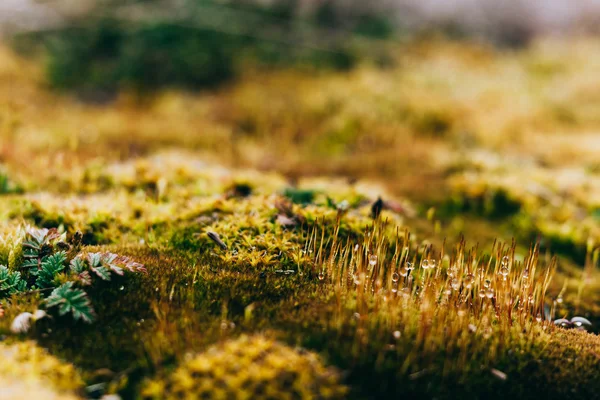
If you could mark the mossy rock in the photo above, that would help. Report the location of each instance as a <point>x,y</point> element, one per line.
<point>28,371</point>
<point>250,367</point>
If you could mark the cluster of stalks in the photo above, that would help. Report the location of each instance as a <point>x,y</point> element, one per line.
<point>393,286</point>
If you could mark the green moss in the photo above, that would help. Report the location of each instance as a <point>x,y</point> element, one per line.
<point>249,367</point>
<point>28,371</point>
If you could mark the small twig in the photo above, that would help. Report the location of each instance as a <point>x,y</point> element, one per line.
<point>217,239</point>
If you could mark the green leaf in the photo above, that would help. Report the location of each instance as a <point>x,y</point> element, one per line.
<point>51,266</point>
<point>110,260</point>
<point>78,265</point>
<point>11,282</point>
<point>95,260</point>
<point>102,272</point>
<point>70,300</point>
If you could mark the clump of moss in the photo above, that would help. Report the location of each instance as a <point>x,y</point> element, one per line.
<point>27,371</point>
<point>250,367</point>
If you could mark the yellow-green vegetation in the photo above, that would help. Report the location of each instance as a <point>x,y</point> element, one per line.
<point>323,212</point>
<point>29,372</point>
<point>250,367</point>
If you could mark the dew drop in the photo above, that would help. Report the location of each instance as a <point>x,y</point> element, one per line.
<point>525,283</point>
<point>425,264</point>
<point>505,260</point>
<point>489,293</point>
<point>487,283</point>
<point>504,271</point>
<point>526,274</point>
<point>396,334</point>
<point>455,283</point>
<point>559,299</point>
<point>468,280</point>
<point>321,276</point>
<point>122,288</point>
<point>409,266</point>
<point>395,277</point>
<point>482,293</point>
<point>538,318</point>
<point>373,260</point>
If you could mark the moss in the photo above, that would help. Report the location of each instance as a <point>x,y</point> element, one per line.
<point>249,367</point>
<point>155,197</point>
<point>27,371</point>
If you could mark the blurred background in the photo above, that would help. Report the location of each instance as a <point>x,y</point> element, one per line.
<point>483,116</point>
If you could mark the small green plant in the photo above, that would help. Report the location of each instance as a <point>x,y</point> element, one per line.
<point>50,263</point>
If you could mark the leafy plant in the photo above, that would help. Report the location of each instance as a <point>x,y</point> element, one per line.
<point>71,300</point>
<point>10,282</point>
<point>51,266</point>
<point>46,256</point>
<point>37,245</point>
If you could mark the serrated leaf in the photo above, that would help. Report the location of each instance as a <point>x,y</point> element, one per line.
<point>71,300</point>
<point>30,263</point>
<point>11,282</point>
<point>51,266</point>
<point>77,265</point>
<point>102,272</point>
<point>85,278</point>
<point>95,260</point>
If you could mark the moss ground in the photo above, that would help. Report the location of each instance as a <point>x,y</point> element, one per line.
<point>264,161</point>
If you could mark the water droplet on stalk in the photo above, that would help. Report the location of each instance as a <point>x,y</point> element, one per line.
<point>482,293</point>
<point>321,276</point>
<point>425,264</point>
<point>455,283</point>
<point>504,272</point>
<point>489,293</point>
<point>505,260</point>
<point>395,277</point>
<point>487,283</point>
<point>372,260</point>
<point>468,280</point>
